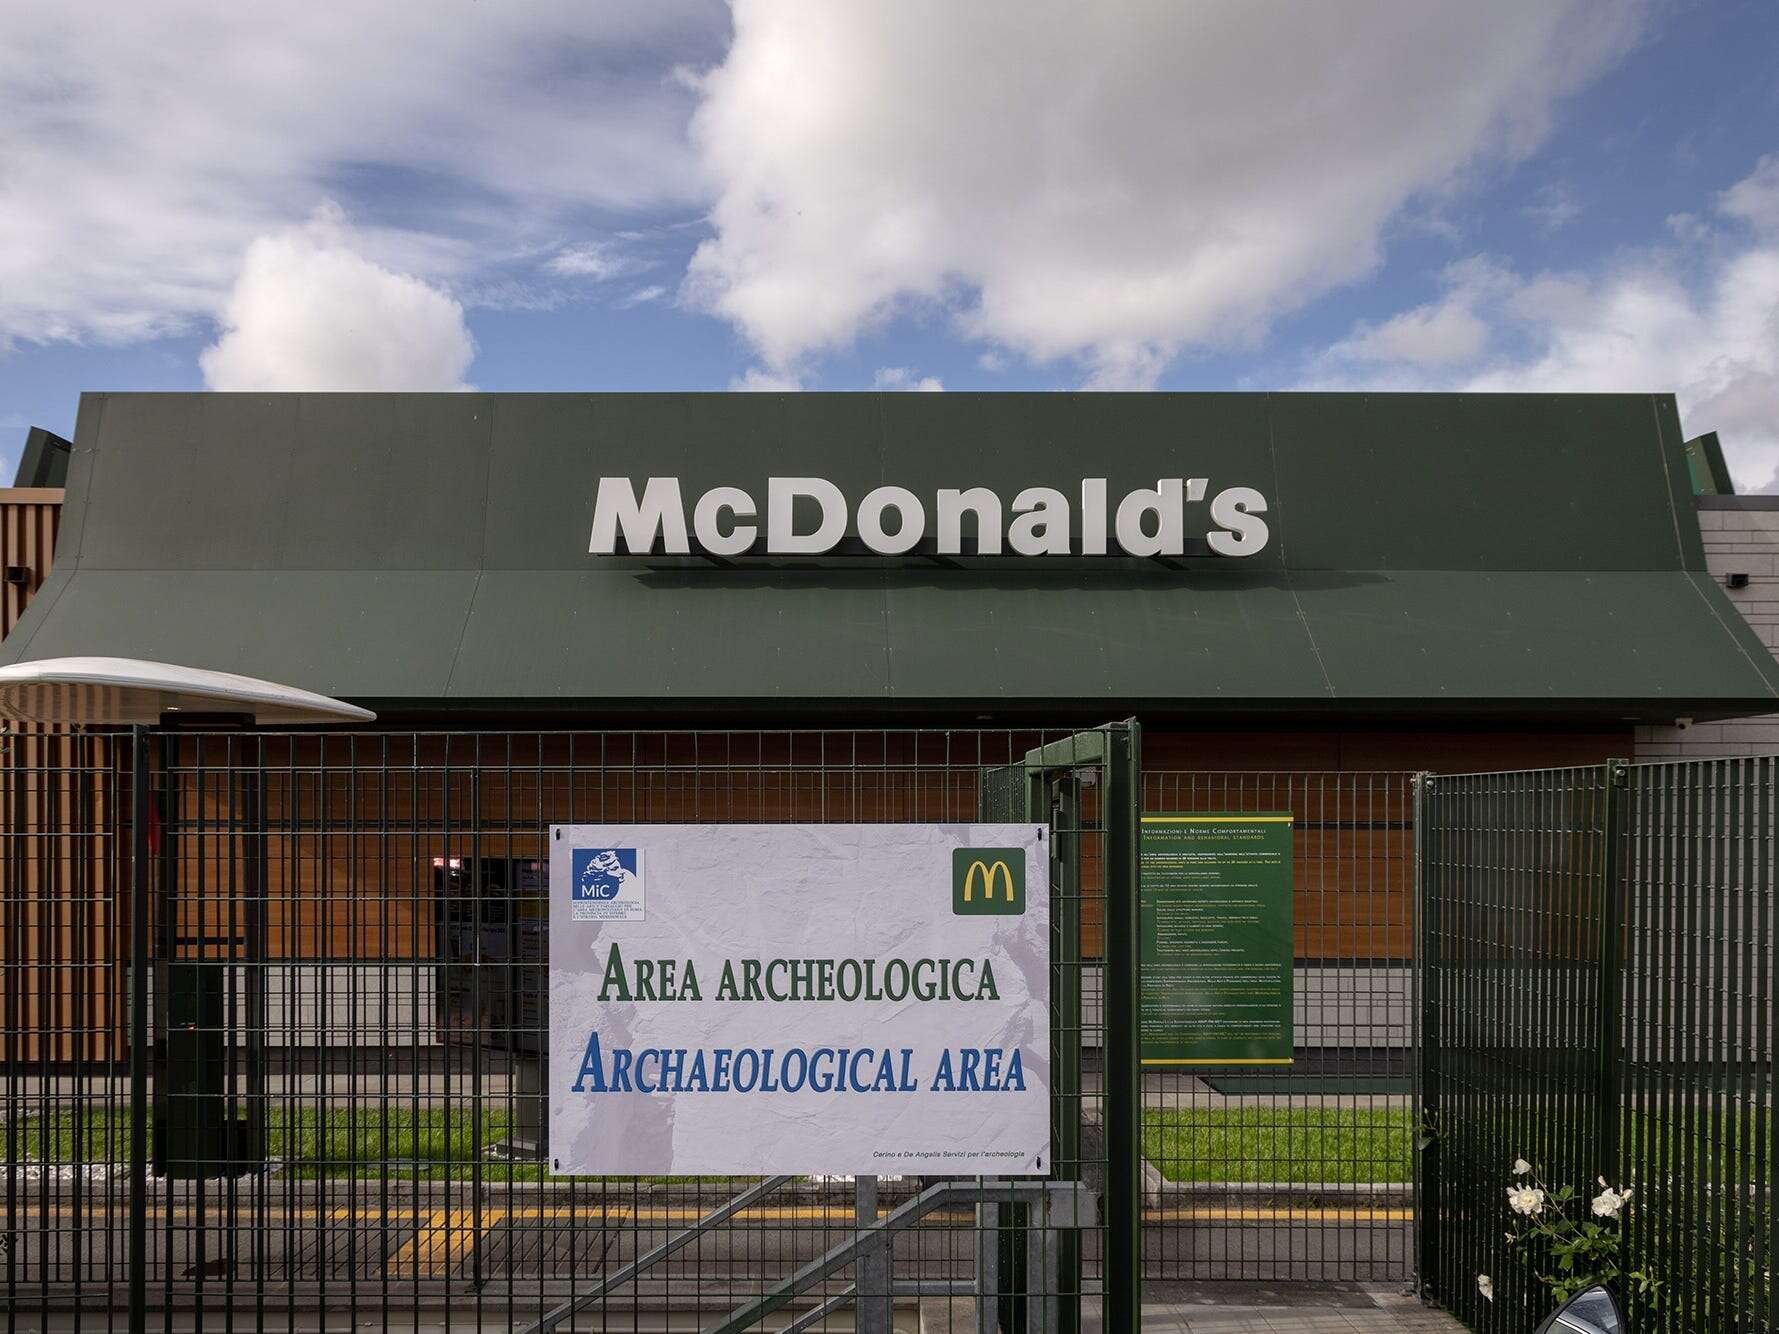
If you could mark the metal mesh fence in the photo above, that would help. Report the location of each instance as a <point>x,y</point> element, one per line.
<point>1301,1173</point>
<point>345,1042</point>
<point>1598,948</point>
<point>1694,1081</point>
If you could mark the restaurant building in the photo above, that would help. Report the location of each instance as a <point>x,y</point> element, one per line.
<point>1303,598</point>
<point>1296,580</point>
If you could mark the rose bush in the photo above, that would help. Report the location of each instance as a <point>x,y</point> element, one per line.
<point>1567,1253</point>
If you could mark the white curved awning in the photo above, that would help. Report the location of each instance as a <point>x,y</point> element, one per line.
<point>129,690</point>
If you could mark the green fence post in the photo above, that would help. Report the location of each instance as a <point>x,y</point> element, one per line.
<point>1609,1111</point>
<point>1426,1159</point>
<point>140,1054</point>
<point>1066,818</point>
<point>1123,1073</point>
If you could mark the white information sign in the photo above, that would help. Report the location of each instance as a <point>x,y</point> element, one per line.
<point>760,999</point>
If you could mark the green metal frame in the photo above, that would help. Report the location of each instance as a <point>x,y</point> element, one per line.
<point>1054,776</point>
<point>1596,972</point>
<point>1705,465</point>
<point>1609,1005</point>
<point>1427,1087</point>
<point>256,816</point>
<point>1123,1067</point>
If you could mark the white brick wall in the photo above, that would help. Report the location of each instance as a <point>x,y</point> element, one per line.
<point>1736,542</point>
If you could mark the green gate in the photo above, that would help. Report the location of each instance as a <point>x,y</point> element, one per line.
<point>1087,787</point>
<point>274,1009</point>
<point>1597,1004</point>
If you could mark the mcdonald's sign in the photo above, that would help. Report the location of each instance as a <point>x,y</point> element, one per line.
<point>987,880</point>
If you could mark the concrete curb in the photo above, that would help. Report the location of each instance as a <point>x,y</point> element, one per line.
<point>947,1315</point>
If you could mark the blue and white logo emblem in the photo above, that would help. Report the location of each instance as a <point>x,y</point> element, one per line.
<point>607,885</point>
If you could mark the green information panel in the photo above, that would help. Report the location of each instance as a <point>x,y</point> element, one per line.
<point>1216,925</point>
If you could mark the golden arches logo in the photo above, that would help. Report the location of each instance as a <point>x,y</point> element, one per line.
<point>987,880</point>
<point>991,873</point>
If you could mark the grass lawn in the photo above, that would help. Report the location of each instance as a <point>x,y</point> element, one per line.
<point>1246,1144</point>
<point>1292,1144</point>
<point>440,1144</point>
<point>434,1144</point>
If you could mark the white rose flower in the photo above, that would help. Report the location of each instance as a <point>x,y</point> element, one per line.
<point>1527,1200</point>
<point>1609,1201</point>
<point>1486,1286</point>
<point>1521,1167</point>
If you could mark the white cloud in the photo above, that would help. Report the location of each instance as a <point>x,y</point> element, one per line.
<point>308,312</point>
<point>758,381</point>
<point>142,147</point>
<point>1107,183</point>
<point>1554,207</point>
<point>1701,323</point>
<point>1714,344</point>
<point>642,296</point>
<point>1431,335</point>
<point>1446,332</point>
<point>902,378</point>
<point>1755,198</point>
<point>596,261</point>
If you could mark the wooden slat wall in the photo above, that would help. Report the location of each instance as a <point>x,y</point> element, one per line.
<point>1377,749</point>
<point>63,918</point>
<point>29,517</point>
<point>356,881</point>
<point>350,852</point>
<point>353,826</point>
<point>1354,850</point>
<point>59,991</point>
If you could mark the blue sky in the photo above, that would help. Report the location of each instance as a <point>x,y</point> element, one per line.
<point>1539,194</point>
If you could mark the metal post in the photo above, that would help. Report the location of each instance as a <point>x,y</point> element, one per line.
<point>258,864</point>
<point>1608,1109</point>
<point>874,1305</point>
<point>1064,810</point>
<point>1043,1265</point>
<point>988,1268</point>
<point>1123,1072</point>
<point>139,1049</point>
<point>1426,1160</point>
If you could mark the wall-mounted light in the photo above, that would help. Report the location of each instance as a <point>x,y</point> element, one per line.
<point>1735,581</point>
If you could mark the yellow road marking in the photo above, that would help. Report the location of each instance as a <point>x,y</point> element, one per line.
<point>243,1216</point>
<point>1258,1215</point>
<point>402,1263</point>
<point>464,1236</point>
<point>435,1250</point>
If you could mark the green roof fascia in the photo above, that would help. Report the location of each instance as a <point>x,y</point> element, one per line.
<point>1447,552</point>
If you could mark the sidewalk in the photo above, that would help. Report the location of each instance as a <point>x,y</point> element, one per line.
<point>1254,1309</point>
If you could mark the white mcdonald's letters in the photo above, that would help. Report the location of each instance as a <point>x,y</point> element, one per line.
<point>810,516</point>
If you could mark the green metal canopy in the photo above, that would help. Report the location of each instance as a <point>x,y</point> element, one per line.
<point>1429,555</point>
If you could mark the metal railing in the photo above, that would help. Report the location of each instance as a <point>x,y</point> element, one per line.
<point>344,1016</point>
<point>1598,947</point>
